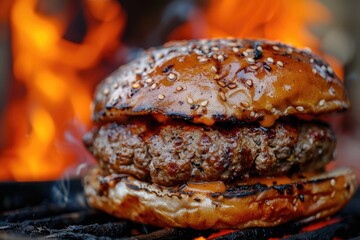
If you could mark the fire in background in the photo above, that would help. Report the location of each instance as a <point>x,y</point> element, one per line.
<point>54,71</point>
<point>61,49</point>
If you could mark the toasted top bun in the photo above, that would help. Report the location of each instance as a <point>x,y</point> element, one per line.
<point>222,80</point>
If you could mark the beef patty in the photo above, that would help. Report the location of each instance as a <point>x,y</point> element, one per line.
<point>176,152</point>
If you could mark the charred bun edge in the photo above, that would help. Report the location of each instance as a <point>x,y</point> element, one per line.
<point>206,81</point>
<point>237,208</point>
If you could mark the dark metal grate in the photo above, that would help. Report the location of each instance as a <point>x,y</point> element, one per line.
<point>56,210</point>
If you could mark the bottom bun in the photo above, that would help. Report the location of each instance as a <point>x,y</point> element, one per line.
<point>261,202</point>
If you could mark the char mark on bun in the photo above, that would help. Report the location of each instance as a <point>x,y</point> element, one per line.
<point>220,133</point>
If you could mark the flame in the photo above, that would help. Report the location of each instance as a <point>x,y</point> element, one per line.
<point>45,122</point>
<point>324,223</point>
<point>309,228</point>
<point>279,20</point>
<point>275,20</point>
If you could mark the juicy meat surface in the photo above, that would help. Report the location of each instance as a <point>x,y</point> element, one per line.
<point>176,152</point>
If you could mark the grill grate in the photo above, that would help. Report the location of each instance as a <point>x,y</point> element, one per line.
<point>65,216</point>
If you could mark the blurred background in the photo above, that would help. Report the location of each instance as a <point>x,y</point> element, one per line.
<point>54,52</point>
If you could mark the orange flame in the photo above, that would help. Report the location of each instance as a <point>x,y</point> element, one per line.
<point>45,123</point>
<point>279,20</point>
<point>275,20</point>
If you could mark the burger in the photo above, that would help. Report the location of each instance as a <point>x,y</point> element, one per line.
<point>219,133</point>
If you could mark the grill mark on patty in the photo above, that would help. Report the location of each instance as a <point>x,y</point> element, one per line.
<point>176,152</point>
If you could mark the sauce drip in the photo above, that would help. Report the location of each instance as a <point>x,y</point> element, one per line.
<point>216,186</point>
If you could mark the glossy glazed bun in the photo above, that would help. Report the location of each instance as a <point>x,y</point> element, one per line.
<point>219,80</point>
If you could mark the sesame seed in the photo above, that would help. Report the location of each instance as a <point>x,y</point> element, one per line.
<point>250,60</point>
<point>215,49</point>
<point>249,82</point>
<point>259,48</point>
<point>216,77</point>
<point>280,63</point>
<point>332,194</point>
<point>232,85</point>
<point>220,58</point>
<point>204,103</point>
<point>300,108</point>
<point>161,96</point>
<point>252,114</point>
<point>254,67</point>
<point>149,80</point>
<point>221,83</point>
<point>276,48</point>
<point>323,67</point>
<point>206,47</point>
<point>314,71</point>
<point>270,60</point>
<point>289,50</point>
<point>198,51</point>
<point>307,49</point>
<point>202,59</point>
<point>136,85</point>
<point>312,60</point>
<point>106,91</point>
<point>332,91</point>
<point>116,85</point>
<point>214,69</point>
<point>160,55</point>
<point>153,86</point>
<point>189,100</point>
<point>267,202</point>
<point>330,70</point>
<point>245,104</point>
<point>245,53</point>
<point>138,71</point>
<point>322,102</point>
<point>235,49</point>
<point>172,77</point>
<point>332,182</point>
<point>222,95</point>
<point>179,88</point>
